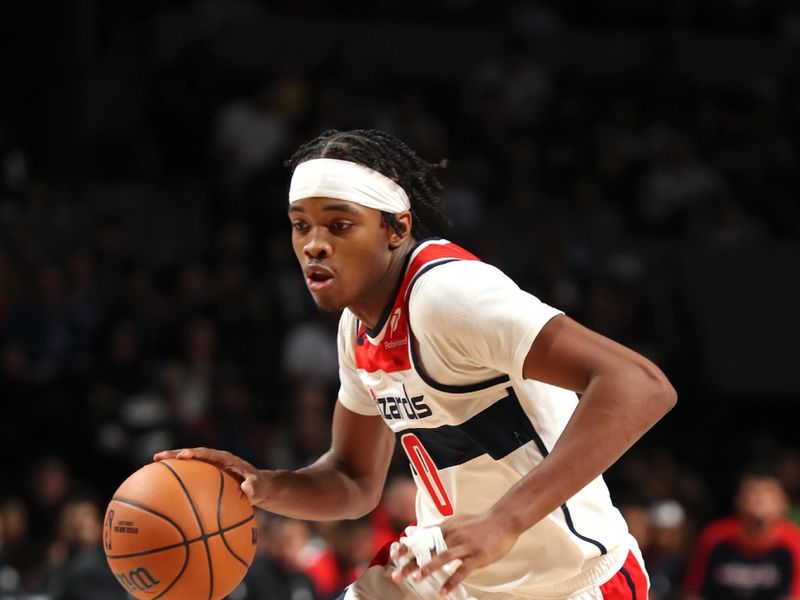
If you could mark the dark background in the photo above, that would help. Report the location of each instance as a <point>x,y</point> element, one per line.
<point>634,165</point>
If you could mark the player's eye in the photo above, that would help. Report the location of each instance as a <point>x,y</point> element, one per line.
<point>338,226</point>
<point>299,226</point>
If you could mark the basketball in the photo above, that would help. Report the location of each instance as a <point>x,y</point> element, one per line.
<point>179,530</point>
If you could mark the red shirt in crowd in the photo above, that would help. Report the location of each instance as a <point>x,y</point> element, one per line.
<point>726,565</point>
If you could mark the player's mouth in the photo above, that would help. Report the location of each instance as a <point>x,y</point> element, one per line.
<point>318,278</point>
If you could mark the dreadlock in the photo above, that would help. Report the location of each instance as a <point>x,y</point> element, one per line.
<point>389,156</point>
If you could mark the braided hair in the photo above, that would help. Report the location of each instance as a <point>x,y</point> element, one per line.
<point>389,156</point>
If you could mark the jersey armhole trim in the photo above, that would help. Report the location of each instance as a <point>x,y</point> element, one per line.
<point>453,389</point>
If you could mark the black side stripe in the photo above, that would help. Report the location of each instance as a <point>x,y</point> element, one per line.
<point>488,432</point>
<point>462,389</point>
<point>629,579</point>
<point>571,526</point>
<point>564,508</point>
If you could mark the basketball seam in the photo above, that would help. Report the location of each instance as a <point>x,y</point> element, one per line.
<point>186,541</point>
<point>219,522</point>
<point>200,525</point>
<point>185,544</point>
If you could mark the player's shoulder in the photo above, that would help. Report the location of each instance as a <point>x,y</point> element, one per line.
<point>446,296</point>
<point>455,277</point>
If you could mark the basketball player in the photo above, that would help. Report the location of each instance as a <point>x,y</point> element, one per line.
<point>473,377</point>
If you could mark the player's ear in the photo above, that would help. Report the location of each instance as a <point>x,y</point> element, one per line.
<point>400,229</point>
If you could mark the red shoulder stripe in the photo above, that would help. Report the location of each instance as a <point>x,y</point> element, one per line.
<point>391,353</point>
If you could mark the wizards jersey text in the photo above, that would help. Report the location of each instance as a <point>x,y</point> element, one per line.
<point>443,368</point>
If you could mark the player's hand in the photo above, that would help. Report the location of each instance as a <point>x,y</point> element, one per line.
<point>254,482</point>
<point>475,540</point>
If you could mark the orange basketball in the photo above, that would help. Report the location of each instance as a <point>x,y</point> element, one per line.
<point>179,530</point>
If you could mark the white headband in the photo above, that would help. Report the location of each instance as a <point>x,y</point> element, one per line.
<point>346,180</point>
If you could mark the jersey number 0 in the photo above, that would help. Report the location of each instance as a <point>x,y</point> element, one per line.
<point>427,472</point>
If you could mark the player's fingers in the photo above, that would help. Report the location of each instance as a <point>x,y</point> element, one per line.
<point>405,562</point>
<point>417,573</point>
<point>398,550</point>
<point>457,577</point>
<point>182,453</point>
<point>401,573</point>
<point>222,459</point>
<point>250,488</point>
<point>166,454</point>
<point>437,562</point>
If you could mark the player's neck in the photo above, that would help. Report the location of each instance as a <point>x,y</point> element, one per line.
<point>373,308</point>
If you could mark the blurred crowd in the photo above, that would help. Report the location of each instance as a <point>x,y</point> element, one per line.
<point>149,298</point>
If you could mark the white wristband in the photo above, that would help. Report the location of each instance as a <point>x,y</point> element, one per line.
<point>421,540</point>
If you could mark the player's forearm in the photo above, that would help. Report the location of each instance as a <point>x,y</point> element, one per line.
<point>320,492</point>
<point>614,412</point>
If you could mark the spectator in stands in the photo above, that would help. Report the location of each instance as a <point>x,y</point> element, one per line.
<point>50,484</point>
<point>675,184</point>
<point>78,568</point>
<point>518,82</point>
<point>276,571</point>
<point>249,133</point>
<point>19,558</point>
<point>634,510</point>
<point>395,512</point>
<point>665,555</point>
<point>754,554</point>
<point>349,550</point>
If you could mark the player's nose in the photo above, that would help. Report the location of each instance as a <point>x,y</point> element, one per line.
<point>317,245</point>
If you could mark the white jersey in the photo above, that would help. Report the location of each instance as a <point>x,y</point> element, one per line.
<point>444,369</point>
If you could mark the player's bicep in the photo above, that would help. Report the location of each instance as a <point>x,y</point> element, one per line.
<point>362,447</point>
<point>568,355</point>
